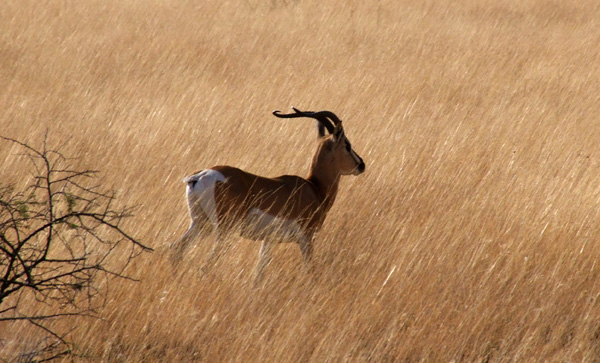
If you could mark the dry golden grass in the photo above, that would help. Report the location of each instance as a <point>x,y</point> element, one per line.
<point>473,235</point>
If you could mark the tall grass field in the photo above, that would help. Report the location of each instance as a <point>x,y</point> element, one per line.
<point>473,235</point>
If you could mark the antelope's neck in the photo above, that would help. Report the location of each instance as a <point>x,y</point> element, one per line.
<point>325,179</point>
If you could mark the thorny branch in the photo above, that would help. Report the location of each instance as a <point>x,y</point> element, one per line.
<point>61,239</point>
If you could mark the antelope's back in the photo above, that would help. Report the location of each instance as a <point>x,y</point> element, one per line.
<point>286,196</point>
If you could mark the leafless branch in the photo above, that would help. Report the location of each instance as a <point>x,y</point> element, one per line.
<point>57,237</point>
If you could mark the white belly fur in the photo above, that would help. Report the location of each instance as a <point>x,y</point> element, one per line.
<point>261,225</point>
<point>201,190</point>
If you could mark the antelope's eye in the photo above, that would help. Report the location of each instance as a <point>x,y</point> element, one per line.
<point>348,147</point>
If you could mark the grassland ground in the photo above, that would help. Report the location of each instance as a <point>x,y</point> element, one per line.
<point>472,236</point>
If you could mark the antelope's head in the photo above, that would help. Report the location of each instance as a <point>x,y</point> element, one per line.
<point>336,144</point>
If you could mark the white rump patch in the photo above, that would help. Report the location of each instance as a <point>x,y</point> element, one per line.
<point>260,225</point>
<point>201,190</point>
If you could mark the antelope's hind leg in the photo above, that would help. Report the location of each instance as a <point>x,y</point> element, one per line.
<point>200,192</point>
<point>215,253</point>
<point>199,226</point>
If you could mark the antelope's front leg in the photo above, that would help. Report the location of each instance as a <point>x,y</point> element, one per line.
<point>264,258</point>
<point>306,247</point>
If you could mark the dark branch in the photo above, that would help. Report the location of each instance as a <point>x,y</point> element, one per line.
<point>57,237</point>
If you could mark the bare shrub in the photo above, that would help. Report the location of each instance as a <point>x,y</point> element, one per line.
<point>58,242</point>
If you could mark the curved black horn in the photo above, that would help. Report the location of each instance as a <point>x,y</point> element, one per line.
<point>320,114</point>
<point>330,115</point>
<point>326,118</point>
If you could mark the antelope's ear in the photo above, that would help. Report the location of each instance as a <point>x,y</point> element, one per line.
<point>320,130</point>
<point>338,132</point>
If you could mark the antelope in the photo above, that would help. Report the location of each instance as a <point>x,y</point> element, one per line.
<point>287,208</point>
